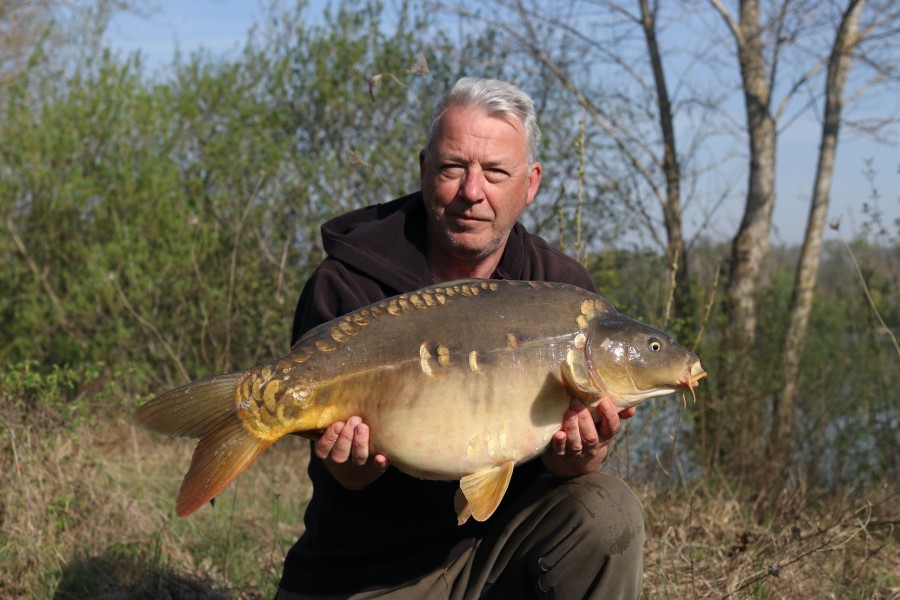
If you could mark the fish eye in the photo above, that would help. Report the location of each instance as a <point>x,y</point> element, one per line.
<point>655,344</point>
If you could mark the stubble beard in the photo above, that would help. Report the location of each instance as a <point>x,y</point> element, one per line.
<point>467,251</point>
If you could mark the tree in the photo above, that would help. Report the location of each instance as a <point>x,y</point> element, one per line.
<point>671,207</point>
<point>848,41</point>
<point>22,26</point>
<point>34,31</point>
<point>780,47</point>
<point>751,242</point>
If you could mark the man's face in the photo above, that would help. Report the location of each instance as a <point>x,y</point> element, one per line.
<point>476,181</point>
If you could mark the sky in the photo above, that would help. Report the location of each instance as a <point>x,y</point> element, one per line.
<point>221,26</point>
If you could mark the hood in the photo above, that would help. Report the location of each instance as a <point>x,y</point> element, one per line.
<point>388,242</point>
<point>385,241</point>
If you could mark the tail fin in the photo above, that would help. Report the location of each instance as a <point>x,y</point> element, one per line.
<point>206,410</point>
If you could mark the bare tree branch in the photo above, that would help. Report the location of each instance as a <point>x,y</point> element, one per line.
<point>729,20</point>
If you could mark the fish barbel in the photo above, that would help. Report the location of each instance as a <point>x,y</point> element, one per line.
<point>456,381</point>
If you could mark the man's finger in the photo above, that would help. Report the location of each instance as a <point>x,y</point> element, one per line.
<point>587,429</point>
<point>628,412</point>
<point>360,451</point>
<point>558,443</point>
<point>609,420</point>
<point>572,430</point>
<point>381,461</point>
<point>344,444</point>
<point>328,438</point>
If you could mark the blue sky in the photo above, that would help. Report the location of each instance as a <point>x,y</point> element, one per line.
<point>218,25</point>
<point>221,27</point>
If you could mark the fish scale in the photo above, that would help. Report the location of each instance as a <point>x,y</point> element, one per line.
<point>457,381</point>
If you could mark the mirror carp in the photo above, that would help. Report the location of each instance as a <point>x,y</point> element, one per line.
<point>457,381</point>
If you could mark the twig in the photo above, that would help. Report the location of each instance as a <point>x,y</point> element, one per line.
<point>282,266</point>
<point>137,453</point>
<point>709,305</point>
<point>12,440</point>
<point>774,569</point>
<point>659,462</point>
<point>690,551</point>
<point>420,67</point>
<point>41,277</point>
<point>27,488</point>
<point>276,547</point>
<point>580,249</point>
<point>836,225</point>
<point>230,529</point>
<point>232,274</point>
<point>147,324</point>
<point>670,296</point>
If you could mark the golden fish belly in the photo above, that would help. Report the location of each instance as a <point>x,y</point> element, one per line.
<point>469,412</point>
<point>450,431</point>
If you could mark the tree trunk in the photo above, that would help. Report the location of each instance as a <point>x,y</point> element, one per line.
<point>671,169</point>
<point>736,422</point>
<point>784,403</point>
<point>751,243</point>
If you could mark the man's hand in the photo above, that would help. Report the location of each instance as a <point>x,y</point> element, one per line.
<point>580,446</point>
<point>344,447</point>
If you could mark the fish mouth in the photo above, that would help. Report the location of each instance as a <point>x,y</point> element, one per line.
<point>691,378</point>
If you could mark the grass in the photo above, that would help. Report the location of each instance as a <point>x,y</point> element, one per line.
<point>710,542</point>
<point>89,512</point>
<point>86,511</point>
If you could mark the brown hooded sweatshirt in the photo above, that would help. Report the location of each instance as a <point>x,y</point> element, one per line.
<point>399,527</point>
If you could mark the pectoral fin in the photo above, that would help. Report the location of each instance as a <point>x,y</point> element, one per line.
<point>577,379</point>
<point>479,494</point>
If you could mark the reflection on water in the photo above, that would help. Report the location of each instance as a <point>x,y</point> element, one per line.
<point>835,449</point>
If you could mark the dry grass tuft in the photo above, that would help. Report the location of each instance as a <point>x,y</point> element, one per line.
<point>711,541</point>
<point>89,513</point>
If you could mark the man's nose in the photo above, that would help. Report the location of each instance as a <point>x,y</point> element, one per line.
<point>472,189</point>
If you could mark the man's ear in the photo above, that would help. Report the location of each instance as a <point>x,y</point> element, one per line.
<point>534,181</point>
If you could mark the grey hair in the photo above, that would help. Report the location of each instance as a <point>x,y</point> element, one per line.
<point>497,98</point>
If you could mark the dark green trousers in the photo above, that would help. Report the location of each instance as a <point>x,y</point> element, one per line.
<point>565,539</point>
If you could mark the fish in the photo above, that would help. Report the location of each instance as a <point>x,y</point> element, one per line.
<point>461,380</point>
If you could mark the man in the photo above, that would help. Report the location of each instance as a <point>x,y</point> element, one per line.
<point>563,530</point>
